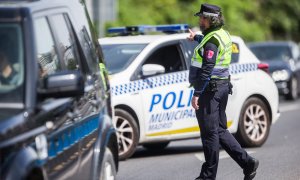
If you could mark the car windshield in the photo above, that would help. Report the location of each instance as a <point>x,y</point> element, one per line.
<point>272,53</point>
<point>11,65</point>
<point>120,56</point>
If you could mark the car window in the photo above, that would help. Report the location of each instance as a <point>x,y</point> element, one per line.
<point>271,52</point>
<point>189,47</point>
<point>169,57</point>
<point>46,52</point>
<point>89,50</point>
<point>11,63</point>
<point>235,52</point>
<point>120,56</point>
<point>66,42</point>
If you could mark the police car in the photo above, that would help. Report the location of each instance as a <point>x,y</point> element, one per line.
<point>151,94</point>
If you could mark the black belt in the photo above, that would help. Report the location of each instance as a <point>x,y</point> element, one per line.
<point>220,81</point>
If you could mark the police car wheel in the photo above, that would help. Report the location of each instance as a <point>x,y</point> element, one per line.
<point>127,132</point>
<point>293,89</point>
<point>108,168</point>
<point>156,146</point>
<point>254,123</point>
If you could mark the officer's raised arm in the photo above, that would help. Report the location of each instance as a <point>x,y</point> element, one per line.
<point>191,36</point>
<point>194,37</point>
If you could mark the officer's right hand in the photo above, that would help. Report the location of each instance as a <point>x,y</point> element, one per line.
<point>191,36</point>
<point>195,102</point>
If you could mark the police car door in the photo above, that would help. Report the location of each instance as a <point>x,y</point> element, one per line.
<point>167,102</point>
<point>235,101</point>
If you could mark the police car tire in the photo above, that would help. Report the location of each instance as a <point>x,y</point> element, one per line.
<point>108,167</point>
<point>293,89</point>
<point>156,146</point>
<point>241,134</point>
<point>135,134</point>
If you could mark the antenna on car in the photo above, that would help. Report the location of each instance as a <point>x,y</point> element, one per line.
<point>144,29</point>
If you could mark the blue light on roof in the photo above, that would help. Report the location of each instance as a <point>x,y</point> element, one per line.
<point>175,27</point>
<point>141,29</point>
<point>117,30</point>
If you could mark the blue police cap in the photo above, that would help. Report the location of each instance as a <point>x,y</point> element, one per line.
<point>209,10</point>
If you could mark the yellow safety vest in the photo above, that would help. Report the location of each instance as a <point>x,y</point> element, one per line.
<point>224,51</point>
<point>103,71</point>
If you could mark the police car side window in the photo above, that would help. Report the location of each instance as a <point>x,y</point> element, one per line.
<point>235,53</point>
<point>189,49</point>
<point>46,53</point>
<point>66,42</point>
<point>169,57</point>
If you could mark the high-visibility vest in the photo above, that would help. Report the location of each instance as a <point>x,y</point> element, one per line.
<point>102,74</point>
<point>223,57</point>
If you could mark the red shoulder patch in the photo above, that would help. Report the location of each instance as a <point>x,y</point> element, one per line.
<point>209,54</point>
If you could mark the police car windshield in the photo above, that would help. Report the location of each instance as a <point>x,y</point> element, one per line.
<point>11,64</point>
<point>272,52</point>
<point>119,56</point>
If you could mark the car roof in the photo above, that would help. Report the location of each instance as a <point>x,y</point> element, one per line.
<point>75,7</point>
<point>247,55</point>
<point>140,39</point>
<point>35,5</point>
<point>146,39</point>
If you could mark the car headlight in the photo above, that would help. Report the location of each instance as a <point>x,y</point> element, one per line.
<point>281,75</point>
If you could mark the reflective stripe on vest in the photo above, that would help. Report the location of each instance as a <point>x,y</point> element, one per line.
<point>102,74</point>
<point>224,51</point>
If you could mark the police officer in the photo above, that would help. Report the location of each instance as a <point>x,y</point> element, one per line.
<point>209,75</point>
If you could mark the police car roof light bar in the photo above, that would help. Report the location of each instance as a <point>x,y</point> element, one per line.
<point>174,27</point>
<point>142,29</point>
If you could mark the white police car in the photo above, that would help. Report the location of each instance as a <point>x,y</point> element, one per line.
<point>152,98</point>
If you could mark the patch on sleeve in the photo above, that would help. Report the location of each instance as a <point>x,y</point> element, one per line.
<point>209,54</point>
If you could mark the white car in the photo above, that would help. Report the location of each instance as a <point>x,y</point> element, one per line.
<point>151,95</point>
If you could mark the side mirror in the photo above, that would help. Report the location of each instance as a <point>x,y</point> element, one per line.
<point>62,84</point>
<point>152,69</point>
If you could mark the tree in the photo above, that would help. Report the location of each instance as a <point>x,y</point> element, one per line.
<point>256,20</point>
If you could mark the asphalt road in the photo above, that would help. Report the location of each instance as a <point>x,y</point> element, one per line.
<point>279,157</point>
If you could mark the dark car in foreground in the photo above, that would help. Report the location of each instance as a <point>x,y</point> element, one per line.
<point>284,64</point>
<point>55,115</point>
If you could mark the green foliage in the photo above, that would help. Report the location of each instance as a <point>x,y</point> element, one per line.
<point>253,20</point>
<point>283,18</point>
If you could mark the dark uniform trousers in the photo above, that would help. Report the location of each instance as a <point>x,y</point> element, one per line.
<point>213,126</point>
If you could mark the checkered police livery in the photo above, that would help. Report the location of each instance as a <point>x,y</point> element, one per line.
<point>172,78</point>
<point>241,68</point>
<point>149,83</point>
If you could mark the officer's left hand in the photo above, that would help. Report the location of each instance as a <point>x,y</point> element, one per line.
<point>195,102</point>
